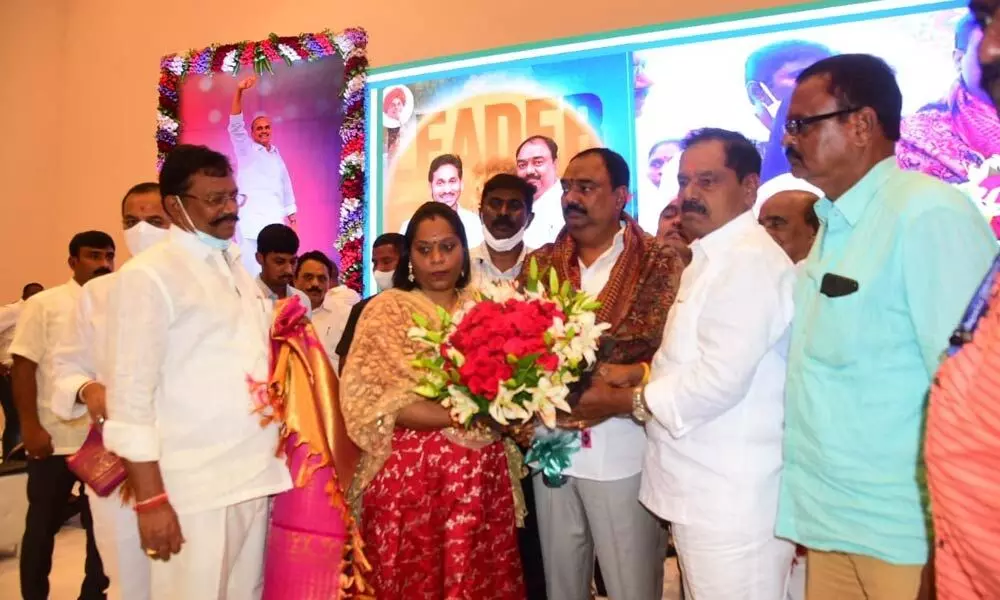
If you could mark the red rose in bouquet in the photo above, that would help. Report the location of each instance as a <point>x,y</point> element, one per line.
<point>511,355</point>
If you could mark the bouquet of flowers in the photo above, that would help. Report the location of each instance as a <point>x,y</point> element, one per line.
<point>510,355</point>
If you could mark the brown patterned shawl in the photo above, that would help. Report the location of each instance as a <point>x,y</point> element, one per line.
<point>636,299</point>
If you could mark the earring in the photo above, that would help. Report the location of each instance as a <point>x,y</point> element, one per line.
<point>410,277</point>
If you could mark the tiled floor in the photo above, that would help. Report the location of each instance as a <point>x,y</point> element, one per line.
<point>67,570</point>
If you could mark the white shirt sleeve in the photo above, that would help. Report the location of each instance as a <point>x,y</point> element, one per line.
<point>73,361</point>
<point>8,316</point>
<point>29,333</point>
<point>139,315</point>
<point>287,195</point>
<point>239,136</point>
<point>735,329</point>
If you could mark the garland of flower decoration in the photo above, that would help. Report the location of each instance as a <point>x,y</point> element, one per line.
<point>350,46</point>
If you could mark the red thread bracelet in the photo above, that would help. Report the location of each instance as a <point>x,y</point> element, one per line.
<point>151,503</point>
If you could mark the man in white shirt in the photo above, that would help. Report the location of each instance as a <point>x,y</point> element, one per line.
<point>603,252</point>
<point>48,440</point>
<point>506,211</point>
<point>187,367</point>
<point>538,163</point>
<point>263,177</point>
<point>8,319</point>
<point>277,248</point>
<point>313,274</point>
<point>445,179</point>
<point>80,371</point>
<point>716,390</point>
<point>791,220</point>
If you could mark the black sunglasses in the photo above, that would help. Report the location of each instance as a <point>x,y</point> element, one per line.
<point>797,126</point>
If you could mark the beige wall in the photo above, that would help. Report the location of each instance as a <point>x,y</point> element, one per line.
<point>78,87</point>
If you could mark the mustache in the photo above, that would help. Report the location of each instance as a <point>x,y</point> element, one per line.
<point>791,152</point>
<point>314,290</point>
<point>101,271</point>
<point>504,220</point>
<point>224,219</point>
<point>693,206</point>
<point>570,208</point>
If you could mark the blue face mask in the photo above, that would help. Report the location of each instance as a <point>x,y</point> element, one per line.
<point>209,240</point>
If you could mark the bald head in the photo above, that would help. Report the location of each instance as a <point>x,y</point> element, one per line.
<point>791,220</point>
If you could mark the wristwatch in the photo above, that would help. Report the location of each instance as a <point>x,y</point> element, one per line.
<point>640,412</point>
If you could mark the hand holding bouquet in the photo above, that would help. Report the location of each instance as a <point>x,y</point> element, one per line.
<point>510,355</point>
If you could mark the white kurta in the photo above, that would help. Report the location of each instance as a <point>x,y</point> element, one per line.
<point>8,320</point>
<point>483,268</point>
<point>713,460</point>
<point>187,333</point>
<point>40,327</point>
<point>78,359</point>
<point>548,221</point>
<point>262,176</point>
<point>330,318</point>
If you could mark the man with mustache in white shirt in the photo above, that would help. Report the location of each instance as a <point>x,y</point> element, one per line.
<point>188,367</point>
<point>715,395</point>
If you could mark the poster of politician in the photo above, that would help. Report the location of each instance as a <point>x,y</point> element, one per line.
<point>280,129</point>
<point>442,138</point>
<point>744,83</point>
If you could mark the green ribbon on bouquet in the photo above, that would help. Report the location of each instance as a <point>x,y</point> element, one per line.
<point>552,454</point>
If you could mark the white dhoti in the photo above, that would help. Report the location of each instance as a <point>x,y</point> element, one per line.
<point>733,565</point>
<point>222,557</point>
<point>117,535</point>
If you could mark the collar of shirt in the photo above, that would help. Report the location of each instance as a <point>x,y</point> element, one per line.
<point>855,201</point>
<point>260,148</point>
<point>269,293</point>
<point>719,241</point>
<point>480,256</point>
<point>190,242</point>
<point>617,246</point>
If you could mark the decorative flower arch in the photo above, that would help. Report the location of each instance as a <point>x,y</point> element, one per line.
<point>351,47</point>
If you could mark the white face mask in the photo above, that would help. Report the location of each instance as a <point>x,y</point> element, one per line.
<point>383,280</point>
<point>141,236</point>
<point>209,240</point>
<point>503,245</point>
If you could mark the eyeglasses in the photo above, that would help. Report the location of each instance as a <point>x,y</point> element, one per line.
<point>215,201</point>
<point>797,126</point>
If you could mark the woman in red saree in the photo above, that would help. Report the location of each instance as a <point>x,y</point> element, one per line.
<point>438,505</point>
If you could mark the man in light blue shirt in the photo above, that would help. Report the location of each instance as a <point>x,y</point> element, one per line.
<point>896,258</point>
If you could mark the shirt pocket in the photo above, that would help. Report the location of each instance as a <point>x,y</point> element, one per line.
<point>832,330</point>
